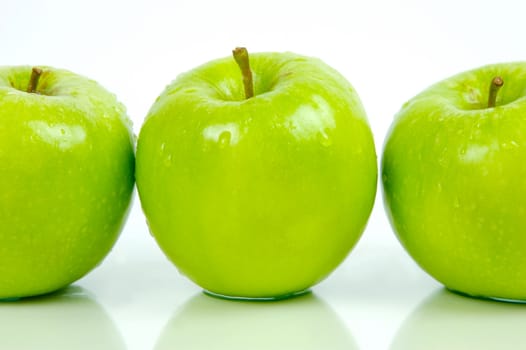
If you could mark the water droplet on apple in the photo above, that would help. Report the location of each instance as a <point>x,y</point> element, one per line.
<point>456,202</point>
<point>224,139</point>
<point>324,139</point>
<point>510,145</point>
<point>163,146</point>
<point>168,160</point>
<point>439,187</point>
<point>443,160</point>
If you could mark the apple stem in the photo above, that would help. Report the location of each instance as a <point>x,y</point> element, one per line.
<point>494,88</point>
<point>33,81</point>
<point>241,57</point>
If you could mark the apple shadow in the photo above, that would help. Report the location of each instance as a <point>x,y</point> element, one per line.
<point>67,319</point>
<point>304,322</point>
<point>447,320</point>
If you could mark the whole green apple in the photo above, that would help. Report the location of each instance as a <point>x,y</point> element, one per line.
<point>67,166</point>
<point>453,171</point>
<point>257,193</point>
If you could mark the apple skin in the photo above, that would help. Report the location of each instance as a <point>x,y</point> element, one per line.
<point>67,165</point>
<point>259,197</point>
<point>453,175</point>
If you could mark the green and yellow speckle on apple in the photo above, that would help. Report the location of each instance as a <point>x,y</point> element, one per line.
<point>454,170</point>
<point>66,177</point>
<point>257,182</point>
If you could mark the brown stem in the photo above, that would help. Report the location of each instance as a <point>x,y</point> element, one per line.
<point>33,81</point>
<point>241,57</point>
<point>494,88</point>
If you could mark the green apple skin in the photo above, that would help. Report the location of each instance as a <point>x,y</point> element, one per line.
<point>453,175</point>
<point>67,173</point>
<point>259,197</point>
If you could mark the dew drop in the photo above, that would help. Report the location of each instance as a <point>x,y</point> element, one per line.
<point>168,160</point>
<point>224,139</point>
<point>324,139</point>
<point>443,161</point>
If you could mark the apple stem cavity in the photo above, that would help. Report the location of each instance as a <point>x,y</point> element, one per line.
<point>241,57</point>
<point>494,88</point>
<point>33,81</point>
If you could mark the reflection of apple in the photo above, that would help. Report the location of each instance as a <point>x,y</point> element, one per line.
<point>304,323</point>
<point>448,321</point>
<point>257,197</point>
<point>454,166</point>
<point>66,165</point>
<point>68,319</point>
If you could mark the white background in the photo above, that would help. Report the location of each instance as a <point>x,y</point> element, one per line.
<point>378,298</point>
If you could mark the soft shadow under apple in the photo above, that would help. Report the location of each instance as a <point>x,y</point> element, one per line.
<point>304,322</point>
<point>450,321</point>
<point>68,319</point>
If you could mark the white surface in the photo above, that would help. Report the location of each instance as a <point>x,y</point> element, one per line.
<point>388,50</point>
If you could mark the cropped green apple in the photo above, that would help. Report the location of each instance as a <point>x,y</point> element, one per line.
<point>257,196</point>
<point>66,165</point>
<point>454,170</point>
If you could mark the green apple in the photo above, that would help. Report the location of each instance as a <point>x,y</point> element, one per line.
<point>257,196</point>
<point>453,171</point>
<point>67,166</point>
